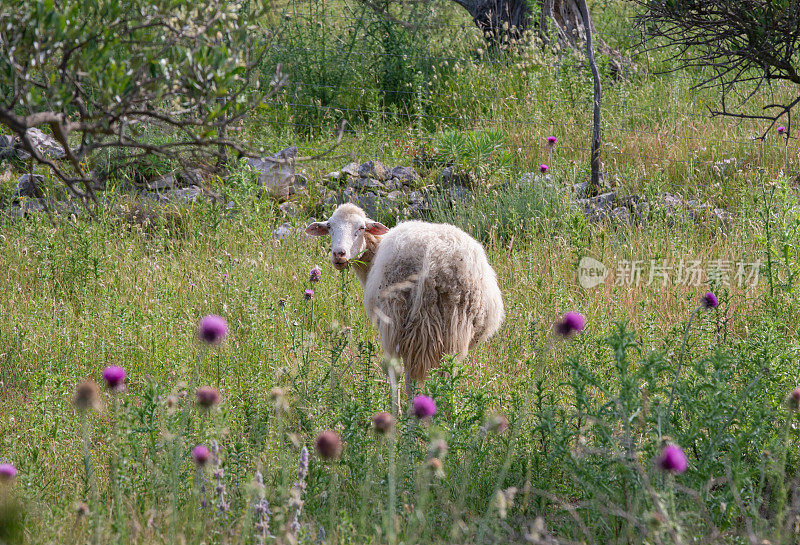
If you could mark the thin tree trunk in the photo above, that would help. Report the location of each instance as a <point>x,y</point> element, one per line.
<point>593,187</point>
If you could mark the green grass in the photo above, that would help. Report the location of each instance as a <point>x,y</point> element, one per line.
<point>587,416</point>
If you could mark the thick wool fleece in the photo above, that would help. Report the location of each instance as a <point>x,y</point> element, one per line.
<point>430,291</point>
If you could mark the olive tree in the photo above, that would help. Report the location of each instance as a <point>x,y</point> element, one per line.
<point>164,77</point>
<point>742,44</point>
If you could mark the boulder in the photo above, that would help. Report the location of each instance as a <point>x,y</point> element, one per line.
<point>28,186</point>
<point>284,231</point>
<point>404,174</point>
<point>162,182</point>
<point>374,169</point>
<point>365,183</point>
<point>46,144</point>
<point>6,146</point>
<point>277,175</point>
<point>350,169</point>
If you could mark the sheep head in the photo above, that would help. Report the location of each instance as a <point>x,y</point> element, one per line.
<point>346,227</point>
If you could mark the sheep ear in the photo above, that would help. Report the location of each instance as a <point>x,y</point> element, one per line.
<point>317,229</point>
<point>376,228</point>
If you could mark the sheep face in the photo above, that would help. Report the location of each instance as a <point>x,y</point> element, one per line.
<point>346,227</point>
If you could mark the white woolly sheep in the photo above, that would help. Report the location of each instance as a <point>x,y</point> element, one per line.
<point>427,287</point>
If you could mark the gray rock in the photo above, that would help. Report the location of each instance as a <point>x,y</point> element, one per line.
<point>374,169</point>
<point>335,175</point>
<point>162,182</point>
<point>350,169</point>
<point>404,174</point>
<point>418,204</point>
<point>332,198</point>
<point>26,187</point>
<point>605,200</point>
<point>45,143</point>
<point>396,196</point>
<point>621,214</point>
<point>33,206</point>
<point>289,208</point>
<point>277,175</point>
<point>365,183</point>
<point>191,176</point>
<point>579,190</point>
<point>368,202</point>
<point>187,195</point>
<point>284,231</point>
<point>6,146</point>
<point>457,193</point>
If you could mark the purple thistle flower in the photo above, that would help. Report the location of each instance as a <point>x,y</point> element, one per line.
<point>201,455</point>
<point>672,459</point>
<point>710,300</point>
<point>7,472</point>
<point>572,322</point>
<point>212,329</point>
<point>794,399</point>
<point>114,375</point>
<point>206,396</point>
<point>315,274</point>
<point>309,294</point>
<point>497,423</point>
<point>781,130</point>
<point>543,168</point>
<point>382,422</point>
<point>551,141</point>
<point>329,445</point>
<point>86,395</point>
<point>423,407</point>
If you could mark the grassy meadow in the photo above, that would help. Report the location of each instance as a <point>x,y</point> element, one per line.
<point>588,416</point>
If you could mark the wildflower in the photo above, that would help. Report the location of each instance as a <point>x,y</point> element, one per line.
<point>437,448</point>
<point>504,500</point>
<point>543,168</point>
<point>82,510</point>
<point>219,474</point>
<point>423,407</point>
<point>551,141</point>
<point>206,396</point>
<point>114,376</point>
<point>382,422</point>
<point>794,399</point>
<point>279,400</point>
<point>315,274</point>
<point>572,322</point>
<point>498,423</point>
<point>262,512</point>
<point>201,455</point>
<point>436,467</point>
<point>212,329</point>
<point>329,445</point>
<point>710,300</point>
<point>781,130</point>
<point>7,472</point>
<point>86,395</point>
<point>309,294</point>
<point>672,459</point>
<point>296,495</point>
